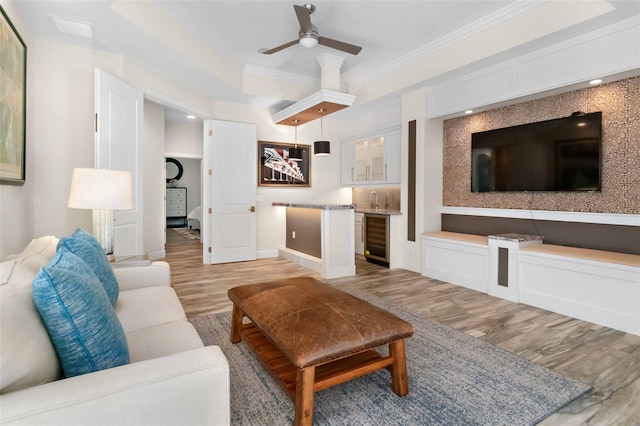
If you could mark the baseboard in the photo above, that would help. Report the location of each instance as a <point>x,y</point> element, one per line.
<point>301,259</point>
<point>266,254</point>
<point>155,255</point>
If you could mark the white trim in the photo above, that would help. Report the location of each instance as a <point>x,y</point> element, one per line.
<point>183,155</point>
<point>501,15</point>
<point>260,71</point>
<point>312,100</point>
<point>266,254</point>
<point>329,59</point>
<point>155,255</point>
<point>373,133</point>
<point>560,216</point>
<point>302,259</point>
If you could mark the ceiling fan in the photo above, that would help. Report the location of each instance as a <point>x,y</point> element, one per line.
<point>308,35</point>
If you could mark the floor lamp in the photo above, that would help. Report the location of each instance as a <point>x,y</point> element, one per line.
<point>102,191</point>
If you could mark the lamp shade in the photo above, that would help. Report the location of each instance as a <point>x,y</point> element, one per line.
<point>295,154</point>
<point>100,189</point>
<point>321,148</point>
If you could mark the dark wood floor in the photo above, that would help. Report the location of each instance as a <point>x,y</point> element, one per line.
<point>606,359</point>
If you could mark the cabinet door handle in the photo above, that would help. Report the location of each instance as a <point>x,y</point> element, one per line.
<point>385,171</point>
<point>362,233</point>
<point>353,179</point>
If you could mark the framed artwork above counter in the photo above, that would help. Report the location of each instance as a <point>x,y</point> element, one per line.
<point>277,168</point>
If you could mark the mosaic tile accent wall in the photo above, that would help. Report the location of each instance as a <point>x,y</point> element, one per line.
<point>620,106</point>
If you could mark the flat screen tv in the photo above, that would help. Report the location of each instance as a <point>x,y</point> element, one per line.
<point>555,155</point>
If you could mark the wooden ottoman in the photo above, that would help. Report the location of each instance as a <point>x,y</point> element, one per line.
<point>311,336</point>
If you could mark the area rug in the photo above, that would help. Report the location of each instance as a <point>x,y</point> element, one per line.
<point>189,234</point>
<point>454,379</point>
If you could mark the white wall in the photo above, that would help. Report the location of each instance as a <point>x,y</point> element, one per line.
<point>325,171</point>
<point>192,180</point>
<point>183,139</point>
<point>153,179</point>
<point>184,142</point>
<point>16,202</point>
<point>60,136</point>
<point>60,125</point>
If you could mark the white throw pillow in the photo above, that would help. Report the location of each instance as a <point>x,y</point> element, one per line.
<point>16,275</point>
<point>27,356</point>
<point>38,253</point>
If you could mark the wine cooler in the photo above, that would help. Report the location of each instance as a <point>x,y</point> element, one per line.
<point>376,238</point>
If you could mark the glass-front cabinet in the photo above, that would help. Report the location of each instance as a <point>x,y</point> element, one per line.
<point>370,165</point>
<point>373,159</point>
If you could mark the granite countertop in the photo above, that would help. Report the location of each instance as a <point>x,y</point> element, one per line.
<point>317,206</point>
<point>378,211</point>
<point>515,237</point>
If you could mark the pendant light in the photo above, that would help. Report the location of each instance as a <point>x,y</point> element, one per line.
<point>321,148</point>
<point>295,153</point>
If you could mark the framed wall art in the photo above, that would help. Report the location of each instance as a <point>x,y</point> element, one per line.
<point>277,168</point>
<point>13,77</point>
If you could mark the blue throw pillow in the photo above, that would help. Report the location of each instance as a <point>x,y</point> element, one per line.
<point>80,320</point>
<point>89,249</point>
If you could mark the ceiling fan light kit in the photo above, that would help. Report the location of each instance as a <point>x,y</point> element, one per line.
<point>308,41</point>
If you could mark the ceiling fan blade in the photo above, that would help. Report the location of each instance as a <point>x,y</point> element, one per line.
<point>340,45</point>
<point>281,47</point>
<point>304,18</point>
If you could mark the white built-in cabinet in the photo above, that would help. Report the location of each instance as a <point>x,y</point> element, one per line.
<point>371,160</point>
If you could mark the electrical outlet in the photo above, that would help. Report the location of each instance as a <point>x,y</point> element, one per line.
<point>293,235</point>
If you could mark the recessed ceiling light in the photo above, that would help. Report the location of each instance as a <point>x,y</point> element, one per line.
<point>191,117</point>
<point>469,111</point>
<point>596,81</point>
<point>70,26</point>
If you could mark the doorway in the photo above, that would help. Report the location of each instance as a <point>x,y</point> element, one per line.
<point>183,148</point>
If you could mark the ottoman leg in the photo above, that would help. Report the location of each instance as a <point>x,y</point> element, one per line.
<point>399,382</point>
<point>236,322</point>
<point>304,396</point>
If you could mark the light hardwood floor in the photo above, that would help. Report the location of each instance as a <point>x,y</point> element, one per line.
<point>606,359</point>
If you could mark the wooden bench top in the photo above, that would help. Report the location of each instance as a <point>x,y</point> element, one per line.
<point>312,322</point>
<point>589,254</point>
<point>467,238</point>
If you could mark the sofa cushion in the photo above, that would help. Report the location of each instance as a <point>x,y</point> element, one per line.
<point>27,356</point>
<point>38,253</point>
<point>89,249</point>
<point>146,307</point>
<point>15,274</point>
<point>162,340</point>
<point>78,315</point>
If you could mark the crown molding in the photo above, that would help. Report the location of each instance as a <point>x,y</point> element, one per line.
<point>261,71</point>
<point>501,15</point>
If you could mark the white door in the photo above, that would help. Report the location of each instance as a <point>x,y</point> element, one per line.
<point>118,108</point>
<point>229,189</point>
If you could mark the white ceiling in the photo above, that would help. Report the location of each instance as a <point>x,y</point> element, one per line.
<point>188,40</point>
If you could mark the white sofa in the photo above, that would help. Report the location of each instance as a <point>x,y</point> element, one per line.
<point>171,378</point>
